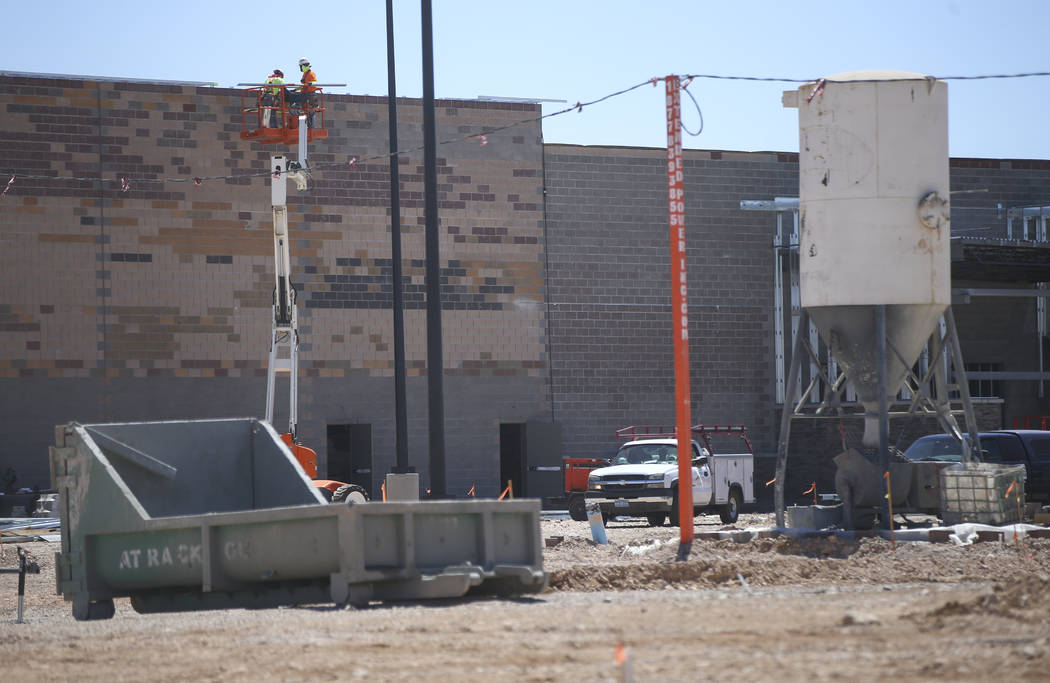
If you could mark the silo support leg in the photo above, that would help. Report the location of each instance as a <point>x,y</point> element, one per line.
<point>962,384</point>
<point>790,393</point>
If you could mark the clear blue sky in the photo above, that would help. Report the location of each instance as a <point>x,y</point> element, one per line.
<point>579,50</point>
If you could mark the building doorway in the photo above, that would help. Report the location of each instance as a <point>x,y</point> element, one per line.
<point>512,457</point>
<point>350,454</point>
<point>530,458</point>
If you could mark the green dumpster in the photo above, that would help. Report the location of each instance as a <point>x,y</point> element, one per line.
<point>207,514</point>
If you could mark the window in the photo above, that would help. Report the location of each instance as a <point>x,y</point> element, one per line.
<point>984,388</point>
<point>1010,448</point>
<point>1040,448</point>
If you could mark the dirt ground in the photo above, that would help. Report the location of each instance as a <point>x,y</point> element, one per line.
<point>768,609</point>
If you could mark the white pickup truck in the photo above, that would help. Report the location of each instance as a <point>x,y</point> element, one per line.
<point>642,479</point>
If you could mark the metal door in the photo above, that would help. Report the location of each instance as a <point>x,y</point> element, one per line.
<point>702,483</point>
<point>350,454</point>
<point>544,473</point>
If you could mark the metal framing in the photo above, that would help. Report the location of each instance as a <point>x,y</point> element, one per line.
<point>825,391</point>
<point>1041,294</point>
<point>1036,215</point>
<point>931,393</point>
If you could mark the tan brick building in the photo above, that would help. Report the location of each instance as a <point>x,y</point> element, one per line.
<point>153,301</point>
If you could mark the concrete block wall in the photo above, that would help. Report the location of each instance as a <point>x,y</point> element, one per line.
<point>153,300</point>
<point>978,185</point>
<point>608,282</point>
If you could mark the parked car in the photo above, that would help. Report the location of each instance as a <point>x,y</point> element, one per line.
<point>1030,447</point>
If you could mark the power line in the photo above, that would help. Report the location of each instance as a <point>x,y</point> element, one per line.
<point>125,182</point>
<point>773,79</point>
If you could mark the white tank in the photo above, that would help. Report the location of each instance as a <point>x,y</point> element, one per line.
<point>874,221</point>
<point>869,149</point>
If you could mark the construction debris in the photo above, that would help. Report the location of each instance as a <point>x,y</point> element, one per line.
<point>24,529</point>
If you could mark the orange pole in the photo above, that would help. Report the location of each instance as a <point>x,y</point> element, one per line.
<point>679,311</point>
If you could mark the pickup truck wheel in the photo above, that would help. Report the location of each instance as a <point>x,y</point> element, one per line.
<point>577,507</point>
<point>655,518</point>
<point>729,512</point>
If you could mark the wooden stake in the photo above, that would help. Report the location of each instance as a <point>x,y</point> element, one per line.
<point>889,499</point>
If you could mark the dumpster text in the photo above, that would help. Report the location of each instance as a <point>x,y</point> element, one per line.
<point>143,558</point>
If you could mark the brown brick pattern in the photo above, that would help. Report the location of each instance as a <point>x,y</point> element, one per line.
<point>171,279</point>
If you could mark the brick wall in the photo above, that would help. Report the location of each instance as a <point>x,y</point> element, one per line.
<point>159,297</point>
<point>608,275</point>
<point>154,303</point>
<point>609,313</point>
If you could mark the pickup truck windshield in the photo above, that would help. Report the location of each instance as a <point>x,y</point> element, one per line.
<point>646,454</point>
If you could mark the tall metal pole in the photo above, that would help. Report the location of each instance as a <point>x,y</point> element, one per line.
<point>679,314</point>
<point>435,362</point>
<point>884,406</point>
<point>400,391</point>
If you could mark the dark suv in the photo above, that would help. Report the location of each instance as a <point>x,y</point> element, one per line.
<point>1029,447</point>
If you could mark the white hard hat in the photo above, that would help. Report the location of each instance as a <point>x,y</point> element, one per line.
<point>304,61</point>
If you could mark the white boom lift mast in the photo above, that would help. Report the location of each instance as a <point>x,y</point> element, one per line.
<point>285,330</point>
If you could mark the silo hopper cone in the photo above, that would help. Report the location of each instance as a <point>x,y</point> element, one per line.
<point>849,331</point>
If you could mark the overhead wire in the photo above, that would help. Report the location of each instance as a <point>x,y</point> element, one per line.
<point>685,89</point>
<point>775,79</point>
<point>125,183</point>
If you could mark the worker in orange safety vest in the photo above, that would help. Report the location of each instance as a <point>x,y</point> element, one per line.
<point>305,97</point>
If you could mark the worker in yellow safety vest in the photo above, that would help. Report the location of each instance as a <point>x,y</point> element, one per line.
<point>272,98</point>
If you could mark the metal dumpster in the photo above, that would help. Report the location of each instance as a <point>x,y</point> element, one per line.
<point>208,514</point>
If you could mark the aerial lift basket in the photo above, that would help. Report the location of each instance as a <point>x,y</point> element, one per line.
<point>270,119</point>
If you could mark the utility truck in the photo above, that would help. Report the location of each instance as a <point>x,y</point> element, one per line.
<point>642,478</point>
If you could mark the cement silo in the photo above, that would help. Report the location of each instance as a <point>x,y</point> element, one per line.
<point>874,219</point>
<point>874,270</point>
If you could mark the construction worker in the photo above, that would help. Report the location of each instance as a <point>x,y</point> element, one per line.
<point>272,97</point>
<point>304,97</point>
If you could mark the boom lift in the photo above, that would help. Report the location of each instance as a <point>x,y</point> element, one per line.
<point>284,332</point>
<point>269,118</point>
